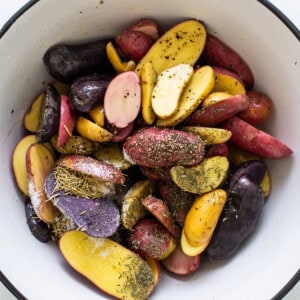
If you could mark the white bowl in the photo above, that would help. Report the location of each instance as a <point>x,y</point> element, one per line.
<point>270,258</point>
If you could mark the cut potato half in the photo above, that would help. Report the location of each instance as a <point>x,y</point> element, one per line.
<point>168,89</point>
<point>200,85</point>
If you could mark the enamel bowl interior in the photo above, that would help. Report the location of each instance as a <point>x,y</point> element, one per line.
<point>268,260</point>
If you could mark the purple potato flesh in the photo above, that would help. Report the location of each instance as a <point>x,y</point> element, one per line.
<point>97,217</point>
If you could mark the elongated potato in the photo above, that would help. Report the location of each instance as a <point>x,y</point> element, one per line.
<point>162,147</point>
<point>201,221</point>
<point>132,208</point>
<point>19,162</point>
<point>111,267</point>
<point>32,115</point>
<point>183,43</point>
<point>200,85</point>
<point>217,53</point>
<point>202,178</point>
<point>97,115</point>
<point>219,111</point>
<point>39,162</point>
<point>254,140</point>
<point>209,135</point>
<point>148,80</point>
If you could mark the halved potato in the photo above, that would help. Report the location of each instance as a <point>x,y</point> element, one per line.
<point>202,178</point>
<point>210,135</point>
<point>32,116</point>
<point>92,131</point>
<point>168,89</point>
<point>19,162</point>
<point>148,80</point>
<point>182,44</point>
<point>200,85</point>
<point>132,207</point>
<point>111,267</point>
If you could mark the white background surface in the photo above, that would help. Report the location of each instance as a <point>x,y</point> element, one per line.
<point>290,8</point>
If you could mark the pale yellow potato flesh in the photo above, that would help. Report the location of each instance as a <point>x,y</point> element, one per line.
<point>92,131</point>
<point>200,85</point>
<point>212,98</point>
<point>201,220</point>
<point>111,267</point>
<point>148,78</point>
<point>183,43</point>
<point>210,135</point>
<point>168,89</point>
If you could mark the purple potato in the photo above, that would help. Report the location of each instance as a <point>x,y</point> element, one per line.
<point>49,116</point>
<point>40,230</point>
<point>238,219</point>
<point>87,91</point>
<point>68,62</point>
<point>97,217</point>
<point>253,169</point>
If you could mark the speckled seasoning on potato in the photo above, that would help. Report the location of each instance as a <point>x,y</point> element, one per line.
<point>160,147</point>
<point>122,196</point>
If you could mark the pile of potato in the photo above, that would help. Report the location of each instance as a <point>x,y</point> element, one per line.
<point>145,151</point>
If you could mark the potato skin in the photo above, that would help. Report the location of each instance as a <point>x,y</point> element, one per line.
<point>218,112</point>
<point>161,147</point>
<point>251,139</point>
<point>238,219</point>
<point>49,116</point>
<point>217,53</point>
<point>88,90</point>
<point>259,109</point>
<point>67,62</point>
<point>134,44</point>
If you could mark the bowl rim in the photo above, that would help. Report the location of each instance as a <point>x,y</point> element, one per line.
<point>270,6</point>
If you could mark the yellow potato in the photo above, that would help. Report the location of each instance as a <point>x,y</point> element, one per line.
<point>201,220</point>
<point>182,44</point>
<point>169,88</point>
<point>148,78</point>
<point>202,178</point>
<point>111,267</point>
<point>112,154</point>
<point>200,85</point>
<point>32,116</point>
<point>97,115</point>
<point>132,208</point>
<point>210,135</point>
<point>92,131</point>
<point>115,60</point>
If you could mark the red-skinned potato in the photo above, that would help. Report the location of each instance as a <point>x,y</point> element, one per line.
<point>218,150</point>
<point>93,167</point>
<point>134,44</point>
<point>256,141</point>
<point>122,99</point>
<point>39,162</point>
<point>161,212</point>
<point>217,53</point>
<point>181,264</point>
<point>147,26</point>
<point>259,109</point>
<point>67,121</point>
<point>151,238</point>
<point>163,147</point>
<point>221,110</point>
